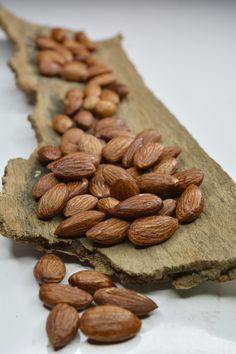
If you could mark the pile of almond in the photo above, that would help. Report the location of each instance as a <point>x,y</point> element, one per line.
<point>114,319</point>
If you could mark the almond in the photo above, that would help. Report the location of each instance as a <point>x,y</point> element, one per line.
<point>108,232</point>
<point>104,79</point>
<point>109,95</point>
<point>98,186</point>
<point>111,173</point>
<point>52,202</point>
<point>92,90</point>
<point>50,56</point>
<point>80,203</point>
<point>49,269</point>
<point>168,207</point>
<point>136,206</point>
<point>45,183</point>
<point>53,294</point>
<point>97,69</point>
<point>116,148</point>
<point>72,136</point>
<point>187,177</point>
<point>62,325</point>
<point>157,183</point>
<point>49,68</point>
<point>110,122</point>
<point>74,166</point>
<point>68,148</point>
<point>190,204</point>
<point>151,230</point>
<point>134,172</point>
<point>150,135</point>
<point>77,225</point>
<point>111,132</point>
<point>48,153</point>
<point>74,71</point>
<point>90,102</point>
<point>168,166</point>
<point>90,144</point>
<point>121,89</point>
<point>108,324</point>
<point>72,104</point>
<point>106,204</point>
<point>122,189</point>
<point>147,155</point>
<point>90,280</point>
<point>77,187</point>
<point>59,34</point>
<point>135,302</point>
<point>61,123</point>
<point>84,119</point>
<point>105,108</point>
<point>127,160</point>
<point>171,151</point>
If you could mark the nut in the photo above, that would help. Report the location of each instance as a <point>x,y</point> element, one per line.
<point>190,204</point>
<point>80,203</point>
<point>49,269</point>
<point>90,280</point>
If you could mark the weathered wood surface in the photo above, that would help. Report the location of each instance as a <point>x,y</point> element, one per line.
<point>203,250</point>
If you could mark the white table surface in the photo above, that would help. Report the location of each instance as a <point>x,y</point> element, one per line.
<point>185,51</point>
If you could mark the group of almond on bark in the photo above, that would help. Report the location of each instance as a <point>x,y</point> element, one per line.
<point>115,318</point>
<point>109,183</point>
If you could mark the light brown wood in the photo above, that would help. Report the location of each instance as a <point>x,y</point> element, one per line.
<point>201,251</point>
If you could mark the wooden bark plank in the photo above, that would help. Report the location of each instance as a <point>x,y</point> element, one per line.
<point>203,250</point>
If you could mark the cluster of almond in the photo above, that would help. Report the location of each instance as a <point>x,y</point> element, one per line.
<point>116,318</point>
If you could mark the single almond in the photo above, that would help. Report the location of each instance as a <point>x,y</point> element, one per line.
<point>168,207</point>
<point>116,148</point>
<point>188,177</point>
<point>90,102</point>
<point>111,132</point>
<point>52,202</point>
<point>97,69</point>
<point>111,173</point>
<point>108,324</point>
<point>92,90</point>
<point>74,71</point>
<point>157,183</point>
<point>80,203</point>
<point>121,89</point>
<point>104,79</point>
<point>77,225</point>
<point>151,230</point>
<point>109,95</point>
<point>45,183</point>
<point>77,187</point>
<point>105,108</point>
<point>131,300</point>
<point>90,144</point>
<point>62,325</point>
<point>150,136</point>
<point>61,123</point>
<point>49,269</point>
<point>190,204</point>
<point>72,104</point>
<point>49,68</point>
<point>108,232</point>
<point>147,155</point>
<point>134,172</point>
<point>68,148</point>
<point>59,34</point>
<point>53,294</point>
<point>98,186</point>
<point>171,151</point>
<point>72,136</point>
<point>50,55</point>
<point>84,119</point>
<point>74,92</point>
<point>168,166</point>
<point>127,160</point>
<point>110,122</point>
<point>106,204</point>
<point>90,280</point>
<point>48,153</point>
<point>122,189</point>
<point>85,40</point>
<point>136,206</point>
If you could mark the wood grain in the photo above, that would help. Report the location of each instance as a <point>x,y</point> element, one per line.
<point>201,251</point>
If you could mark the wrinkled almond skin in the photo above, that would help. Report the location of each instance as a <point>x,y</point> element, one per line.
<point>190,204</point>
<point>152,230</point>
<point>84,119</point>
<point>171,151</point>
<point>111,132</point>
<point>150,136</point>
<point>147,155</point>
<point>80,203</point>
<point>157,183</point>
<point>90,280</point>
<point>108,324</point>
<point>106,204</point>
<point>90,144</point>
<point>48,153</point>
<point>137,206</point>
<point>49,269</point>
<point>168,166</point>
<point>98,186</point>
<point>72,136</point>
<point>109,122</point>
<point>77,225</point>
<point>45,183</point>
<point>108,232</point>
<point>187,177</point>
<point>134,172</point>
<point>111,173</point>
<point>77,187</point>
<point>116,148</point>
<point>122,189</point>
<point>105,108</point>
<point>53,294</point>
<point>135,302</point>
<point>61,123</point>
<point>168,207</point>
<point>52,202</point>
<point>62,325</point>
<point>127,160</point>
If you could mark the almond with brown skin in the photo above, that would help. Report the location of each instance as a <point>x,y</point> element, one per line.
<point>122,189</point>
<point>84,119</point>
<point>108,324</point>
<point>121,89</point>
<point>105,108</point>
<point>90,102</point>
<point>103,80</point>
<point>171,151</point>
<point>50,68</point>
<point>147,155</point>
<point>97,69</point>
<point>168,166</point>
<point>61,123</point>
<point>111,173</point>
<point>187,177</point>
<point>190,204</point>
<point>111,132</point>
<point>48,153</point>
<point>110,122</point>
<point>72,104</point>
<point>157,183</point>
<point>136,206</point>
<point>49,269</point>
<point>134,172</point>
<point>135,302</point>
<point>168,207</point>
<point>127,160</point>
<point>151,230</point>
<point>90,144</point>
<point>72,136</point>
<point>77,225</point>
<point>45,42</point>
<point>92,90</point>
<point>62,325</point>
<point>45,183</point>
<point>77,187</point>
<point>150,135</point>
<point>109,95</point>
<point>98,186</point>
<point>68,148</point>
<point>106,204</point>
<point>53,294</point>
<point>59,34</point>
<point>74,71</point>
<point>50,56</point>
<point>85,40</point>
<point>52,202</point>
<point>108,232</point>
<point>116,148</point>
<point>80,203</point>
<point>90,280</point>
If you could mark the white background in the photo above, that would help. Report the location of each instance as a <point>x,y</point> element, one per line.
<point>185,51</point>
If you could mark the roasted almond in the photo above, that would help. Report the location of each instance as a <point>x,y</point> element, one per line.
<point>74,71</point>
<point>62,325</point>
<point>97,69</point>
<point>128,156</point>
<point>111,173</point>
<point>45,183</point>
<point>68,148</point>
<point>106,204</point>
<point>77,225</point>
<point>108,324</point>
<point>98,186</point>
<point>168,166</point>
<point>72,104</point>
<point>49,269</point>
<point>59,34</point>
<point>50,55</point>
<point>134,172</point>
<point>77,187</point>
<point>135,302</point>
<point>110,122</point>
<point>45,42</point>
<point>80,203</point>
<point>105,108</point>
<point>108,232</point>
<point>90,144</point>
<point>190,204</point>
<point>168,207</point>
<point>61,123</point>
<point>85,40</point>
<point>157,183</point>
<point>150,135</point>
<point>116,148</point>
<point>187,177</point>
<point>90,102</point>
<point>171,151</point>
<point>111,132</point>
<point>90,280</point>
<point>92,90</point>
<point>72,136</point>
<point>121,89</point>
<point>52,202</point>
<point>104,79</point>
<point>50,68</point>
<point>84,119</point>
<point>122,189</point>
<point>48,153</point>
<point>136,206</point>
<point>151,230</point>
<point>53,294</point>
<point>109,95</point>
<point>147,155</point>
